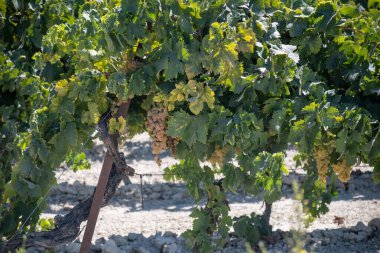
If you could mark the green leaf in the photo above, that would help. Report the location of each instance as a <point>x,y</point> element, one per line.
<point>173,68</point>
<point>188,128</point>
<point>341,141</point>
<point>62,143</point>
<point>297,27</point>
<point>110,45</point>
<point>196,106</point>
<point>308,43</point>
<point>324,15</point>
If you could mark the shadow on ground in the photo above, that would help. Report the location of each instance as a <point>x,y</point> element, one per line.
<point>174,197</point>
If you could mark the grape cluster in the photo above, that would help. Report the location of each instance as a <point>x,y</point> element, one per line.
<point>156,127</point>
<point>343,170</point>
<point>218,156</point>
<point>130,64</point>
<point>322,155</point>
<point>172,144</point>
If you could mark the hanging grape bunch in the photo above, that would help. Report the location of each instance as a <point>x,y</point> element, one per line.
<point>218,156</point>
<point>156,126</point>
<point>342,169</point>
<point>322,153</point>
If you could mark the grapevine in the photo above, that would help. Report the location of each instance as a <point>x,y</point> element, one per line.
<point>230,82</point>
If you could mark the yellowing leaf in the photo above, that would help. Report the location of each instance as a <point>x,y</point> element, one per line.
<point>310,108</point>
<point>182,5</point>
<point>231,48</point>
<point>339,118</point>
<point>61,87</point>
<point>196,107</point>
<point>209,97</point>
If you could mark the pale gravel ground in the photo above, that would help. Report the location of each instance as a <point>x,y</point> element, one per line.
<point>124,214</point>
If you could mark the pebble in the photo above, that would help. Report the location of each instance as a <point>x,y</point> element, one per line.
<point>133,236</point>
<point>375,223</point>
<point>73,247</point>
<point>110,247</point>
<point>178,196</point>
<point>337,234</point>
<point>120,240</point>
<point>140,250</point>
<point>361,227</point>
<point>160,241</point>
<point>171,248</point>
<point>169,234</point>
<point>126,249</point>
<point>155,195</point>
<point>156,188</point>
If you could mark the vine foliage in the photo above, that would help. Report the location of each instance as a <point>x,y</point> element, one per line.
<point>230,82</point>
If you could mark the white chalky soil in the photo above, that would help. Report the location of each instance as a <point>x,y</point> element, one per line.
<point>167,205</point>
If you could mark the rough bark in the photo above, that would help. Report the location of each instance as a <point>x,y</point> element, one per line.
<point>68,227</point>
<point>266,216</point>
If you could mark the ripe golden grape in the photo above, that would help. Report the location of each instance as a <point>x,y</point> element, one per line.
<point>156,126</point>
<point>322,153</point>
<point>343,170</point>
<point>172,144</point>
<point>218,156</point>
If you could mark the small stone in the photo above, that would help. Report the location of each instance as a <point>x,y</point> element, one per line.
<point>160,241</point>
<point>317,234</point>
<point>361,236</point>
<point>110,247</point>
<point>133,236</point>
<point>140,250</point>
<point>177,196</point>
<point>156,188</point>
<point>165,188</point>
<point>337,234</point>
<point>361,227</point>
<point>73,247</point>
<point>374,223</point>
<point>126,249</point>
<point>155,195</point>
<point>171,248</point>
<point>350,236</point>
<point>120,240</point>
<point>100,241</point>
<point>169,234</point>
<point>97,248</point>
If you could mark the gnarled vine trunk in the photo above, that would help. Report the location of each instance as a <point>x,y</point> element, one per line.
<point>68,227</point>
